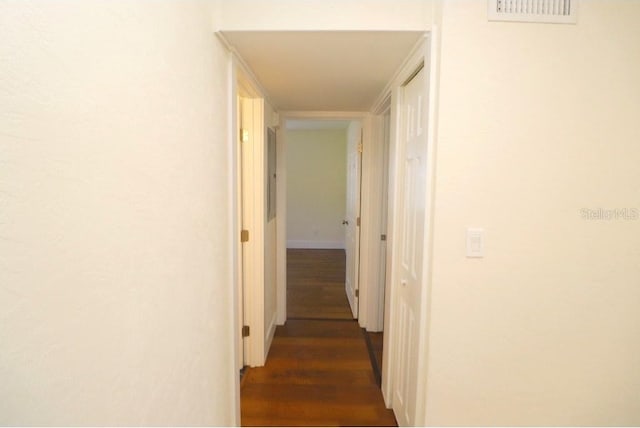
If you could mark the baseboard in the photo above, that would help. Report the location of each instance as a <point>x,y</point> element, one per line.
<point>324,245</point>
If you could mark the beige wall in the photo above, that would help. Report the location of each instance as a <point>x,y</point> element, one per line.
<point>325,15</point>
<point>316,188</point>
<point>537,122</point>
<point>115,289</point>
<point>115,299</point>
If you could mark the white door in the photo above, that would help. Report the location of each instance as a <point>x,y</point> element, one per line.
<point>412,176</point>
<point>352,228</point>
<point>244,158</point>
<point>240,303</point>
<point>252,220</point>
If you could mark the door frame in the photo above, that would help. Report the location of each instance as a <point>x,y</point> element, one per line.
<point>353,214</point>
<point>248,285</point>
<point>371,304</point>
<point>281,197</point>
<point>425,52</point>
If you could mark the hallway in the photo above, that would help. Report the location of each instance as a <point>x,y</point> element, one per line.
<point>318,372</point>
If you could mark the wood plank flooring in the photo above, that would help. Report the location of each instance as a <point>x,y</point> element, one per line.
<point>318,372</point>
<point>315,284</point>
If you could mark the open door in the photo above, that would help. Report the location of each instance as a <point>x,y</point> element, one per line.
<point>352,220</point>
<point>240,320</point>
<point>252,222</point>
<point>246,206</point>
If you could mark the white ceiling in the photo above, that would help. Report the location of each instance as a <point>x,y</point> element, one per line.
<point>323,71</point>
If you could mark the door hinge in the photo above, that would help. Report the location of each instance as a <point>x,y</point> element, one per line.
<point>358,292</point>
<point>244,235</point>
<point>245,331</point>
<point>360,146</point>
<point>244,135</point>
<point>383,237</point>
<point>358,222</point>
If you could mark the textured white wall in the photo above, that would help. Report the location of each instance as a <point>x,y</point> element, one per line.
<point>536,123</point>
<point>316,188</point>
<point>115,290</point>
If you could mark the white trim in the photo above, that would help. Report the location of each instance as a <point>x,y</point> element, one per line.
<point>382,201</point>
<point>326,245</point>
<point>281,224</point>
<point>420,56</point>
<point>387,362</point>
<point>253,213</point>
<point>246,70</point>
<point>372,301</point>
<point>355,136</point>
<point>282,243</point>
<point>367,219</point>
<point>234,247</point>
<point>432,53</point>
<point>383,98</point>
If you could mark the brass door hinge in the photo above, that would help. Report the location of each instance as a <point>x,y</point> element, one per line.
<point>358,292</point>
<point>244,135</point>
<point>360,146</point>
<point>358,221</point>
<point>244,235</point>
<point>245,331</point>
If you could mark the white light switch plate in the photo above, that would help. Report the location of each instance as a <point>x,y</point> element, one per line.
<point>475,242</point>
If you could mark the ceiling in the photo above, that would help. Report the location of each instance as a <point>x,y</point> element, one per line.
<point>323,71</point>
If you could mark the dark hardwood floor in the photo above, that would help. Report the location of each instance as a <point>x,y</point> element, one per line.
<point>319,371</point>
<point>315,284</point>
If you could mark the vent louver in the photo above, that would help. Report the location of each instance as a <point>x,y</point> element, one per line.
<point>548,11</point>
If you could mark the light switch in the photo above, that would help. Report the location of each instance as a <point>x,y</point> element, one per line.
<point>475,242</point>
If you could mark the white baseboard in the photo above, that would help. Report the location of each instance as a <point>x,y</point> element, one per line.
<point>325,245</point>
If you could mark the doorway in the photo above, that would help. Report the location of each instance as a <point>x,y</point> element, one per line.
<point>318,372</point>
<point>252,228</point>
<point>364,305</point>
<point>322,164</point>
<point>377,252</point>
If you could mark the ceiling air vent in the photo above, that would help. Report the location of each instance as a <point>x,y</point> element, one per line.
<point>550,11</point>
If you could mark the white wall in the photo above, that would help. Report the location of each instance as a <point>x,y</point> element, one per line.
<point>115,290</point>
<point>536,123</point>
<point>316,187</point>
<point>330,15</point>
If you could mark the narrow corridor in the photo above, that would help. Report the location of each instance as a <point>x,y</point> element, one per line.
<point>319,371</point>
